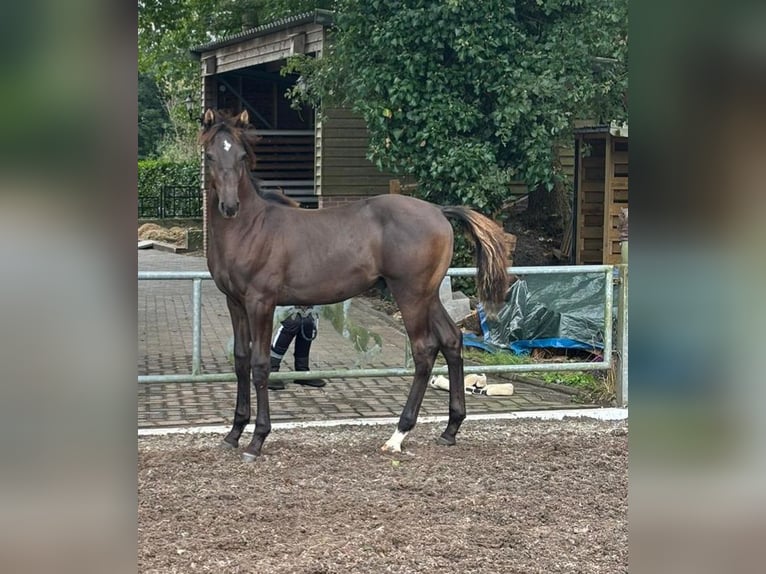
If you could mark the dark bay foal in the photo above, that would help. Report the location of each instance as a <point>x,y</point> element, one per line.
<point>263,253</point>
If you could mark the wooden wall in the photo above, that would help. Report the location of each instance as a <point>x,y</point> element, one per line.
<point>602,190</point>
<point>341,166</point>
<point>616,198</point>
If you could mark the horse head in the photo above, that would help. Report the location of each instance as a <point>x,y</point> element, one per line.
<point>227,156</point>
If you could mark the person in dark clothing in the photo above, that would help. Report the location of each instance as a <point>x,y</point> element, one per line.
<point>300,325</point>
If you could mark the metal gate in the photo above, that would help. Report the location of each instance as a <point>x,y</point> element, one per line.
<point>173,201</point>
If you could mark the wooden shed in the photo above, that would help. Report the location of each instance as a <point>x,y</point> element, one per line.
<point>601,192</point>
<point>317,163</point>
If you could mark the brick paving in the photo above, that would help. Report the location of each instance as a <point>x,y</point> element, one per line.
<point>165,342</point>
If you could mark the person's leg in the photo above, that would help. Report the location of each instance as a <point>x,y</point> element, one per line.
<point>303,340</point>
<point>282,339</point>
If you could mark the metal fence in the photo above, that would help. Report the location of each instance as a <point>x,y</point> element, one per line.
<point>173,201</point>
<point>615,352</point>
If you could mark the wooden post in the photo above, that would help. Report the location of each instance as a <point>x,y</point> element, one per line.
<point>606,253</point>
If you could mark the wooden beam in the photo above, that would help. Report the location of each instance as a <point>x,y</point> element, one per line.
<point>244,102</point>
<point>298,44</point>
<point>209,65</point>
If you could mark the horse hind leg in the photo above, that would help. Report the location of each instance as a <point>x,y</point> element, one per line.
<point>451,342</point>
<point>424,349</point>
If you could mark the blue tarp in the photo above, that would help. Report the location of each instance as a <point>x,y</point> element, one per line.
<point>560,311</point>
<point>524,347</point>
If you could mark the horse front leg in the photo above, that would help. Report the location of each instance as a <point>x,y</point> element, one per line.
<point>261,318</point>
<point>242,370</point>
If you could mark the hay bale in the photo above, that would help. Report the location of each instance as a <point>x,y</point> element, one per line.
<point>147,229</point>
<point>154,232</point>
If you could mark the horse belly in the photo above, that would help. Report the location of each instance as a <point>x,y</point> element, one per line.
<point>327,281</point>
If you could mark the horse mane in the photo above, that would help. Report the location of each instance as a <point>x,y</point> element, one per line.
<point>273,196</point>
<point>278,197</point>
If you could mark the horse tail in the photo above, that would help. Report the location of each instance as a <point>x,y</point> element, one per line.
<point>491,257</point>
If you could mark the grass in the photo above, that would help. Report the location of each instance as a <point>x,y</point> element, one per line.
<point>502,358</point>
<point>596,387</point>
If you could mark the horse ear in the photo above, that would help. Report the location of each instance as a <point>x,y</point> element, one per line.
<point>209,118</point>
<point>243,120</point>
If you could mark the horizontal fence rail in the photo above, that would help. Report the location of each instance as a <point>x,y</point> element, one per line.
<point>608,272</point>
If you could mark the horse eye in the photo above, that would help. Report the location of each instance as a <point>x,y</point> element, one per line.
<point>209,157</point>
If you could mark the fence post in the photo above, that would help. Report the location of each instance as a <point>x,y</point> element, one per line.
<point>196,326</point>
<point>621,370</point>
<point>608,310</point>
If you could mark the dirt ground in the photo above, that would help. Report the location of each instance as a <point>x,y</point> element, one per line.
<point>534,246</point>
<point>512,497</point>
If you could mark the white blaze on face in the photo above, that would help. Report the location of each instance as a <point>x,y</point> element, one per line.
<point>394,444</point>
<point>226,145</point>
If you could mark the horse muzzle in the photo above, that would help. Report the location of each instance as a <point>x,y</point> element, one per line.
<point>228,210</point>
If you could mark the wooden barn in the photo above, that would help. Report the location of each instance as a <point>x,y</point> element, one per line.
<point>317,163</point>
<point>601,193</point>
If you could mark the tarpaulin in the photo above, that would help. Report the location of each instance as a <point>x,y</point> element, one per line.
<point>547,311</point>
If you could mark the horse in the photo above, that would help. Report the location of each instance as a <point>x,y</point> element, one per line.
<point>263,252</point>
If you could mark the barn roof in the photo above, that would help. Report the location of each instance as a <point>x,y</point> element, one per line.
<point>318,16</point>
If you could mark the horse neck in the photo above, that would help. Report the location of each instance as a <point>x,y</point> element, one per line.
<point>250,201</point>
<point>251,205</point>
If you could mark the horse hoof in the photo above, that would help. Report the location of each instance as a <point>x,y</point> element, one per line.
<point>445,441</point>
<point>230,441</point>
<point>249,457</point>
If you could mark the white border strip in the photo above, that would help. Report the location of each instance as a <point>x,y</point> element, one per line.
<point>608,414</point>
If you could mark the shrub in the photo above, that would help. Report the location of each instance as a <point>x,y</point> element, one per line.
<point>153,174</point>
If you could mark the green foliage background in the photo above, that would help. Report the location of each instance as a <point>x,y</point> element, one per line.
<point>466,96</point>
<point>155,173</point>
<point>167,30</point>
<point>461,96</point>
<point>152,118</point>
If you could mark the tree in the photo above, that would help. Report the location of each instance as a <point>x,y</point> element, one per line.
<point>167,29</point>
<point>466,96</point>
<point>152,117</point>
